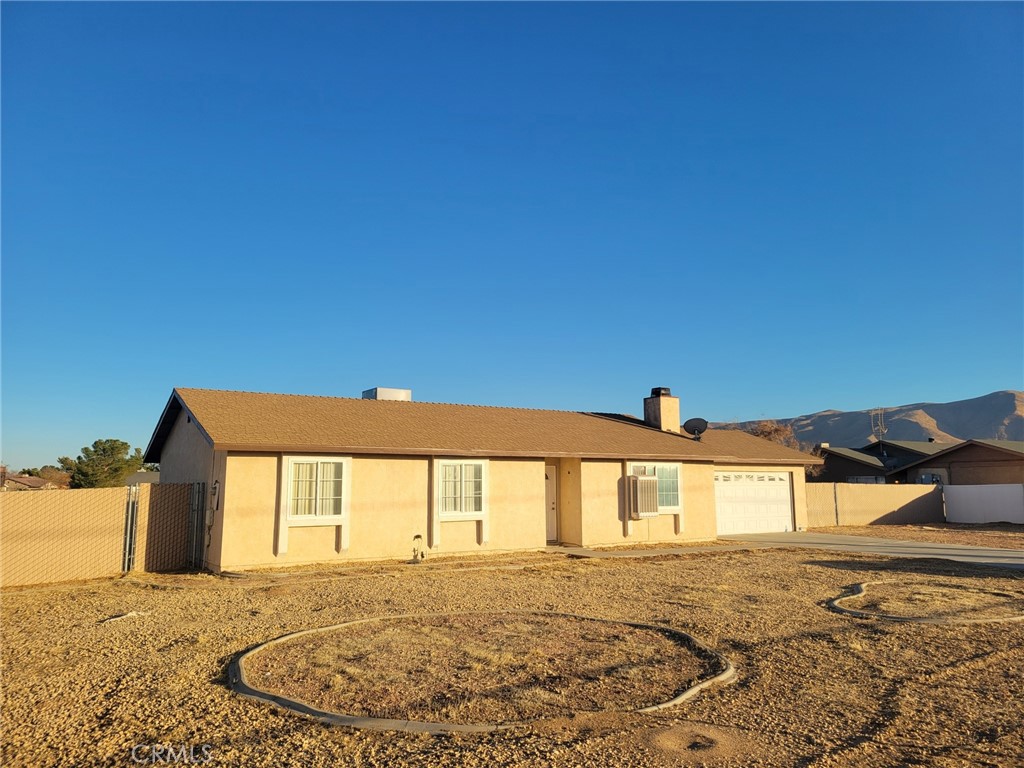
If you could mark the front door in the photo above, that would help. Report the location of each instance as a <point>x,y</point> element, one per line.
<point>551,499</point>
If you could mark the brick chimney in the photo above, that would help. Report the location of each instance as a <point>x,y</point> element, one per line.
<point>661,410</point>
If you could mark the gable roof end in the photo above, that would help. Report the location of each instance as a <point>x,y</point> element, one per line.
<point>1014,448</point>
<point>175,405</point>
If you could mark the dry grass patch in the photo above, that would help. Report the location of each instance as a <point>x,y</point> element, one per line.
<point>671,545</point>
<point>938,600</point>
<point>814,688</point>
<point>479,668</point>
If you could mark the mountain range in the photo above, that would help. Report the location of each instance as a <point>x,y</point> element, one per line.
<point>998,416</point>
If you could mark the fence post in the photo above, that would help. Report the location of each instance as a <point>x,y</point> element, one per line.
<point>835,500</point>
<point>131,519</point>
<point>196,525</point>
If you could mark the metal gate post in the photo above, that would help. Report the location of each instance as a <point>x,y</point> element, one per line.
<point>196,525</point>
<point>131,520</point>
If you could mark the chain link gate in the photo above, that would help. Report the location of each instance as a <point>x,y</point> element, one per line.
<point>131,525</point>
<point>197,526</point>
<point>196,530</point>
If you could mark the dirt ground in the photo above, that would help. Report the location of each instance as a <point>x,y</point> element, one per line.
<point>1001,535</point>
<point>814,687</point>
<point>937,600</point>
<point>492,667</point>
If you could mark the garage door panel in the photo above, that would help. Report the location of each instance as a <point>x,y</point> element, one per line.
<point>753,502</point>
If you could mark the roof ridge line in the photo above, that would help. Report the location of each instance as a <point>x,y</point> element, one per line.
<point>404,402</point>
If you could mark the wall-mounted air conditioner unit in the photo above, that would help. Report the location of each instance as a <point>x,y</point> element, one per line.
<point>641,496</point>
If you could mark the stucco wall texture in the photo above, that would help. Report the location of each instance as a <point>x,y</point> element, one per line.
<point>392,503</point>
<point>831,504</point>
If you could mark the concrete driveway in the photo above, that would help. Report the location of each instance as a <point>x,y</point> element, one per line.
<point>1003,558</point>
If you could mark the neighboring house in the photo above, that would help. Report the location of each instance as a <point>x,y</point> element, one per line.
<point>26,483</point>
<point>297,479</point>
<point>848,465</point>
<point>974,462</point>
<point>881,461</point>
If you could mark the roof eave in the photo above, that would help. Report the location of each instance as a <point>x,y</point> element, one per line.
<point>957,447</point>
<point>867,461</point>
<point>369,450</point>
<point>163,428</point>
<point>175,405</point>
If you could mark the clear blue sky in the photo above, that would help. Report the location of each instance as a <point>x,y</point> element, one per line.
<point>773,209</point>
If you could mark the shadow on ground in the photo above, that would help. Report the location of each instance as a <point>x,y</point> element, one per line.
<point>920,565</point>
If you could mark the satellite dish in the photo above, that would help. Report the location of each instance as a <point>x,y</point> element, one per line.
<point>695,427</point>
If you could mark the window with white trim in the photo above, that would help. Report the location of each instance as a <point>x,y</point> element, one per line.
<point>462,488</point>
<point>315,492</point>
<point>668,483</point>
<point>460,493</point>
<point>316,488</point>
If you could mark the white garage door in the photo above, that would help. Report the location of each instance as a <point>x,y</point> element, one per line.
<point>753,502</point>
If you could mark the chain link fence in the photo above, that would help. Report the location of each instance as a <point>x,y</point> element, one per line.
<point>55,536</point>
<point>162,531</point>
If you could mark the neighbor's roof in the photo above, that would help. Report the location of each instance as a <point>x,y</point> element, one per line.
<point>252,421</point>
<point>29,481</point>
<point>918,446</point>
<point>855,455</point>
<point>1014,448</point>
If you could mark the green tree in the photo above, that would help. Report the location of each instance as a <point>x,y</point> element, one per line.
<point>105,464</point>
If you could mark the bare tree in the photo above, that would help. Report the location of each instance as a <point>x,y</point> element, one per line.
<point>777,433</point>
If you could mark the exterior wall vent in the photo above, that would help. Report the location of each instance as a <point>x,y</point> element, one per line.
<point>641,496</point>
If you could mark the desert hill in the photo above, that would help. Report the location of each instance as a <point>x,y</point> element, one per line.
<point>999,415</point>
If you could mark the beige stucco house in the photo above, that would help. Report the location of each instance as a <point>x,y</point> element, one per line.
<point>297,479</point>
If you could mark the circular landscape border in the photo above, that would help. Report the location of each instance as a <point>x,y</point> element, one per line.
<point>238,683</point>
<point>860,589</point>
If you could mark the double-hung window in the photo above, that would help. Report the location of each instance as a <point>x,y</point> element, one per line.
<point>460,493</point>
<point>315,491</point>
<point>316,487</point>
<point>462,487</point>
<point>668,483</point>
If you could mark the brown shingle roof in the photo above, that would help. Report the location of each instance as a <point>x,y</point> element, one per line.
<point>918,446</point>
<point>251,421</point>
<point>856,455</point>
<point>1010,447</point>
<point>28,481</point>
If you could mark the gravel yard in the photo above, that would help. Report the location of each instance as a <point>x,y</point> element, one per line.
<point>491,668</point>
<point>99,673</point>
<point>1001,535</point>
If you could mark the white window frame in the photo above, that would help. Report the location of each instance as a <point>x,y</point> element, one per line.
<point>482,516</point>
<point>677,510</point>
<point>662,508</point>
<point>288,520</point>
